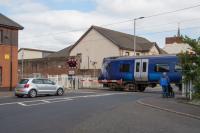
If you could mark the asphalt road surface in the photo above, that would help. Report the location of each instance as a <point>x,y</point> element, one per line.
<point>90,112</point>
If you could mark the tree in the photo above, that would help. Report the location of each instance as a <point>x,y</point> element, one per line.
<point>190,61</point>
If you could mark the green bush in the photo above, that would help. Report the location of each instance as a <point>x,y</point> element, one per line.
<point>190,62</point>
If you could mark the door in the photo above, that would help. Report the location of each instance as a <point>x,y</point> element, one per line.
<point>50,87</point>
<point>141,69</point>
<point>39,85</point>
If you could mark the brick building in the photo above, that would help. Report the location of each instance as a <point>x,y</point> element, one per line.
<point>8,52</point>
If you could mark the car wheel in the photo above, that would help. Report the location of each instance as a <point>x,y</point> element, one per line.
<point>32,93</point>
<point>60,92</point>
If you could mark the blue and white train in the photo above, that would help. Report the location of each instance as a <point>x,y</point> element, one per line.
<point>137,72</point>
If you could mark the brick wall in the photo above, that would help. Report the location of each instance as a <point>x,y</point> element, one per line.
<point>5,58</point>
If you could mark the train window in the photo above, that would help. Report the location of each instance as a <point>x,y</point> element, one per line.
<point>137,66</point>
<point>125,68</point>
<point>144,67</point>
<point>178,68</point>
<point>1,75</point>
<point>161,68</point>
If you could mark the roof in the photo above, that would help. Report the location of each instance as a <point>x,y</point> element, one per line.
<point>62,53</point>
<point>30,49</point>
<point>7,22</point>
<point>143,56</point>
<point>122,40</point>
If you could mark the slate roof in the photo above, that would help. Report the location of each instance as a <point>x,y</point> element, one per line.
<point>125,41</point>
<point>62,53</point>
<point>122,40</point>
<point>7,22</point>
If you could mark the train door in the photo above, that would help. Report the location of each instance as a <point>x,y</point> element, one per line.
<point>141,70</point>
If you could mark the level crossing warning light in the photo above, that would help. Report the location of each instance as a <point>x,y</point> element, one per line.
<point>72,63</point>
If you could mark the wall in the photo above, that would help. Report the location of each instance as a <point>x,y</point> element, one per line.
<point>5,50</point>
<point>176,48</point>
<point>94,48</point>
<point>153,51</point>
<point>27,54</point>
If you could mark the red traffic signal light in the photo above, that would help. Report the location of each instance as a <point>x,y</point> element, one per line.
<point>72,63</point>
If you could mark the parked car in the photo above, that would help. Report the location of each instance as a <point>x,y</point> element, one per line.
<point>33,87</point>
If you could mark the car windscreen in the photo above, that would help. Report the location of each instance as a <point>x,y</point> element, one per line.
<point>23,81</point>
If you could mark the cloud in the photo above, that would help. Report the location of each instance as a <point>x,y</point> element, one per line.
<point>47,28</point>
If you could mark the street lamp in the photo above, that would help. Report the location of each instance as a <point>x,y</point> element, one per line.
<point>134,33</point>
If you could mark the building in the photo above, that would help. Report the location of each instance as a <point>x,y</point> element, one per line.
<point>91,48</point>
<point>8,52</point>
<point>98,43</point>
<point>175,45</point>
<point>28,53</point>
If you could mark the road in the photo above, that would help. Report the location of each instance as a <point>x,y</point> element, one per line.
<point>90,112</point>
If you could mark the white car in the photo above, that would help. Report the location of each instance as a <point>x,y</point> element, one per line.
<point>33,87</point>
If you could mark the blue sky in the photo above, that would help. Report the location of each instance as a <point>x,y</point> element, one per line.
<point>84,5</point>
<point>62,22</point>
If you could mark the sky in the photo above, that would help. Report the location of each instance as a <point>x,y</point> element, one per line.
<point>56,24</point>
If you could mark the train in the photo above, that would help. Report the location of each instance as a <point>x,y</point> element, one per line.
<point>135,73</point>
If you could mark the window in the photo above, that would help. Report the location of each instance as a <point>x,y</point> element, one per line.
<point>1,36</point>
<point>23,81</point>
<point>1,75</point>
<point>161,68</point>
<point>144,67</point>
<point>46,81</point>
<point>138,67</point>
<point>127,53</point>
<point>178,68</point>
<point>137,54</point>
<point>37,81</point>
<point>124,68</point>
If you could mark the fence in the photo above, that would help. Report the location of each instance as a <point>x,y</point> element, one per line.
<point>75,82</point>
<point>187,89</point>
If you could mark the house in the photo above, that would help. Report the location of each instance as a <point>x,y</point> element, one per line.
<point>28,53</point>
<point>175,45</point>
<point>98,43</point>
<point>8,52</point>
<point>91,48</point>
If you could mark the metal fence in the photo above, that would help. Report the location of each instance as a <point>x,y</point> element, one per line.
<point>75,82</point>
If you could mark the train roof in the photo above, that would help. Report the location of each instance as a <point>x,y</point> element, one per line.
<point>138,57</point>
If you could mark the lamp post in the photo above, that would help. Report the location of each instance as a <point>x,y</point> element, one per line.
<point>134,41</point>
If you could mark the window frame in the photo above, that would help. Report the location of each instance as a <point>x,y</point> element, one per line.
<point>38,80</point>
<point>144,70</point>
<point>44,82</point>
<point>1,75</point>
<point>161,64</point>
<point>137,69</point>
<point>124,68</point>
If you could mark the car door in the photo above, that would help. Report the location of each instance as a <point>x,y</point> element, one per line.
<point>50,86</point>
<point>39,86</point>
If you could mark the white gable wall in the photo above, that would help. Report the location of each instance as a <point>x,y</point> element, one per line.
<point>177,48</point>
<point>94,47</point>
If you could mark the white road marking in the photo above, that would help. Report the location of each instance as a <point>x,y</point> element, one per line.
<point>54,100</point>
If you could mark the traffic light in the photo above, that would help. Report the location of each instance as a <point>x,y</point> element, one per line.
<point>72,63</point>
